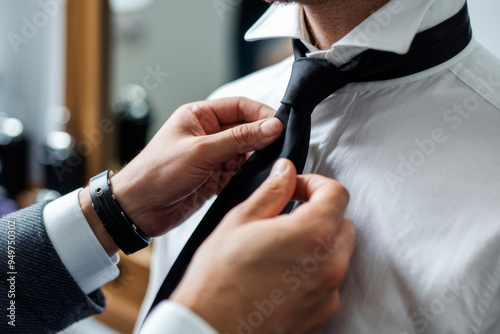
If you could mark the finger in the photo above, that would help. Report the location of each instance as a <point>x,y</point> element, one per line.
<point>213,115</point>
<point>333,305</point>
<point>242,139</point>
<point>346,237</point>
<point>272,196</point>
<point>323,310</point>
<point>330,307</point>
<point>323,198</point>
<point>314,187</point>
<point>225,127</point>
<point>341,246</point>
<point>230,126</point>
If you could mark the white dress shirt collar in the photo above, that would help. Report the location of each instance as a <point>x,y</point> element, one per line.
<point>391,28</point>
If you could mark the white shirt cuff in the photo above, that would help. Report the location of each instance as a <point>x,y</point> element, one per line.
<point>77,245</point>
<point>169,317</point>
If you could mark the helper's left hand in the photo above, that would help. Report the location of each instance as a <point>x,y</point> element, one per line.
<point>190,159</point>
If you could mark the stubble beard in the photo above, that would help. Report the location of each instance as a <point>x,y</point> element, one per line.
<point>303,2</point>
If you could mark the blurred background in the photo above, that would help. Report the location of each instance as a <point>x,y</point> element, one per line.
<point>85,83</point>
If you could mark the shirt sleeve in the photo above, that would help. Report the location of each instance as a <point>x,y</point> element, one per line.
<point>76,244</point>
<point>170,317</point>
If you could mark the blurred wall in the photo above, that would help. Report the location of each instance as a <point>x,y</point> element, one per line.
<point>188,44</point>
<point>32,65</point>
<point>486,23</point>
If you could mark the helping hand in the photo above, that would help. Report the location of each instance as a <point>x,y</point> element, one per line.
<point>278,273</point>
<point>191,159</point>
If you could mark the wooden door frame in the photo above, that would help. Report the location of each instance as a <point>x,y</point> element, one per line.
<point>88,82</point>
<point>88,52</point>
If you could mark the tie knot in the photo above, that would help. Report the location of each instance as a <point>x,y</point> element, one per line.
<point>312,81</point>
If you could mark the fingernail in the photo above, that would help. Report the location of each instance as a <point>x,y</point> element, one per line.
<point>279,168</point>
<point>270,127</point>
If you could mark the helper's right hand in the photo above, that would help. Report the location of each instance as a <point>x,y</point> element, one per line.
<point>263,272</point>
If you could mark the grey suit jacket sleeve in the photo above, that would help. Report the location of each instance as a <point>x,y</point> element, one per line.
<point>41,294</point>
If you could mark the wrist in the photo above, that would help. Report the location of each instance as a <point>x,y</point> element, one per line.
<point>127,191</point>
<point>124,232</point>
<point>145,202</point>
<point>219,317</point>
<point>95,223</point>
<point>212,318</point>
<point>199,298</point>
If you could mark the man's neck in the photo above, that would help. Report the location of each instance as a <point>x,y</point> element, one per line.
<point>328,21</point>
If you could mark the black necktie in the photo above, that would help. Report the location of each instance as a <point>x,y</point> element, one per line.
<point>312,81</point>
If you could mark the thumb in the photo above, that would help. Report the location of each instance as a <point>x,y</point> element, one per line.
<point>245,138</point>
<point>272,196</point>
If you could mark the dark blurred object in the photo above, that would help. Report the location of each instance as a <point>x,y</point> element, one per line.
<point>63,164</point>
<point>250,11</point>
<point>253,56</point>
<point>13,156</point>
<point>133,119</point>
<point>7,205</point>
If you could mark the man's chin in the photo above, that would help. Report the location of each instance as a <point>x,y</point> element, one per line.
<point>304,2</point>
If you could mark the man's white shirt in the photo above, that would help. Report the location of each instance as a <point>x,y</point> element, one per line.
<point>420,158</point>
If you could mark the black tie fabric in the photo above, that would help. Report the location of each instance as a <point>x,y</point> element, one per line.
<point>312,81</point>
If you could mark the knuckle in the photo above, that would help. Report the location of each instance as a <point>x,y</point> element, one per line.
<point>273,187</point>
<point>198,146</point>
<point>195,108</point>
<point>324,230</point>
<point>351,230</point>
<point>322,223</point>
<point>244,137</point>
<point>341,190</point>
<point>311,236</point>
<point>334,305</point>
<point>343,266</point>
<point>237,213</point>
<point>199,149</point>
<point>328,308</point>
<point>243,101</point>
<point>191,106</point>
<point>334,270</point>
<point>338,271</point>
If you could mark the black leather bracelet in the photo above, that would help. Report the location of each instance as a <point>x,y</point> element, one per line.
<point>127,236</point>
